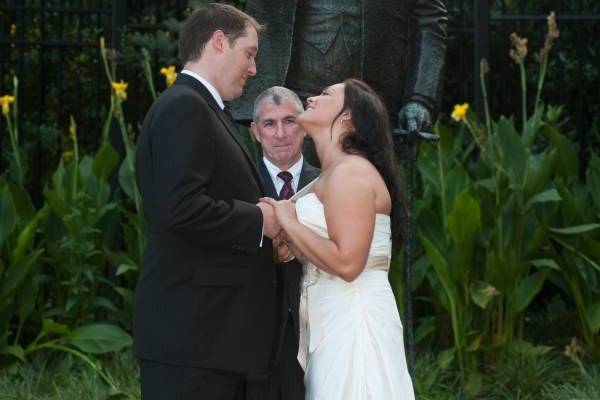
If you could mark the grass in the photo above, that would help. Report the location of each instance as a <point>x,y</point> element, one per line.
<point>551,376</point>
<point>59,377</point>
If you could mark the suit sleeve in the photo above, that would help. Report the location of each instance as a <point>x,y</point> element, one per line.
<point>183,158</point>
<point>428,34</point>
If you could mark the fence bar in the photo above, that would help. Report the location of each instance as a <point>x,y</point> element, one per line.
<point>482,49</point>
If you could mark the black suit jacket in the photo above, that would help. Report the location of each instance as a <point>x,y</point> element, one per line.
<point>206,296</point>
<point>291,272</point>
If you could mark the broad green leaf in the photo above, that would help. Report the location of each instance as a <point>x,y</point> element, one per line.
<point>513,153</point>
<point>593,179</point>
<point>592,314</point>
<point>567,158</point>
<point>482,292</point>
<point>26,237</point>
<point>425,328</point>
<point>445,358</point>
<point>127,180</point>
<point>123,268</point>
<point>456,181</point>
<point>539,172</point>
<point>576,230</point>
<point>465,218</point>
<point>527,349</point>
<point>56,202</point>
<point>105,162</point>
<point>527,289</point>
<point>545,263</point>
<point>16,274</point>
<point>22,201</point>
<point>126,294</point>
<point>15,351</point>
<point>437,260</point>
<point>545,196</point>
<point>8,214</point>
<point>54,328</point>
<point>103,302</point>
<point>99,338</point>
<point>26,299</point>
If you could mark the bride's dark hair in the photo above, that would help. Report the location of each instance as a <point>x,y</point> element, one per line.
<point>372,138</point>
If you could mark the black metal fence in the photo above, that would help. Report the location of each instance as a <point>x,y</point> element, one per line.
<point>52,46</point>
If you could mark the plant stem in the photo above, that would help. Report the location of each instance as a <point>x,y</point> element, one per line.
<point>442,189</point>
<point>543,69</point>
<point>523,94</point>
<point>14,143</point>
<point>148,72</point>
<point>488,124</point>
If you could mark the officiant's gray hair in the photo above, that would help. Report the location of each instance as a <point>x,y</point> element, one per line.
<point>276,95</point>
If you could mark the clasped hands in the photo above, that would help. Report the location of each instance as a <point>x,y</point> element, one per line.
<point>277,215</point>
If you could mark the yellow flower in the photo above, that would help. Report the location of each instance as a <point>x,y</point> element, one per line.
<point>67,155</point>
<point>169,74</point>
<point>5,103</point>
<point>13,30</point>
<point>460,112</point>
<point>120,89</point>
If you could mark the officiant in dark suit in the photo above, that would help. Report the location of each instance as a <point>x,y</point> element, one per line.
<point>283,171</point>
<point>205,313</point>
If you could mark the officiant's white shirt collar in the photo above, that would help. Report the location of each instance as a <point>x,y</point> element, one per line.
<point>295,170</point>
<point>208,85</point>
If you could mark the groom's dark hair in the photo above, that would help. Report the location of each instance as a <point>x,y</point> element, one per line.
<point>205,20</point>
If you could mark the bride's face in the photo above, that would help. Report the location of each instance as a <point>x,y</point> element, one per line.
<point>322,109</point>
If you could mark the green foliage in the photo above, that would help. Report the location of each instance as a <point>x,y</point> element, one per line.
<point>503,213</point>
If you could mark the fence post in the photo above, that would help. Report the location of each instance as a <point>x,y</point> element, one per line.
<point>119,20</point>
<point>482,49</point>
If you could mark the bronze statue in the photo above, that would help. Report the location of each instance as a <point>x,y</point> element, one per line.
<point>396,46</point>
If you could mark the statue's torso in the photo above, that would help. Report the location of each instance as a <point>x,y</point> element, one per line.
<point>327,44</point>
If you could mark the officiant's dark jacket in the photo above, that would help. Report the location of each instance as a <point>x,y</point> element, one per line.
<point>291,272</point>
<point>206,296</point>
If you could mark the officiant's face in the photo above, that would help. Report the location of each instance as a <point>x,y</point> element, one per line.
<point>279,135</point>
<point>239,64</point>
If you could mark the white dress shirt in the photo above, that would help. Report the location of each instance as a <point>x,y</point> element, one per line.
<point>208,86</point>
<point>295,170</point>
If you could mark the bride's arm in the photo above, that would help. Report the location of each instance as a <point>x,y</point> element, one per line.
<point>349,202</point>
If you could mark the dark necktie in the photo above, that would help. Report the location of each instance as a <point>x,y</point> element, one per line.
<point>286,191</point>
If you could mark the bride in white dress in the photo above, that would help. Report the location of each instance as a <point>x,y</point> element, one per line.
<point>341,226</point>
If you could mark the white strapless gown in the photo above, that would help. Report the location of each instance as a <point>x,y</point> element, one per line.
<point>351,343</point>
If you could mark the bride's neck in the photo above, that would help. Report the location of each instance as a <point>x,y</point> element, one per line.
<point>328,151</point>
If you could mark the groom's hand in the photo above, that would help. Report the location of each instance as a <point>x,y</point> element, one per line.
<point>270,226</point>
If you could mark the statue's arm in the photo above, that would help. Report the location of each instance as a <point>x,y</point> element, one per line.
<point>427,40</point>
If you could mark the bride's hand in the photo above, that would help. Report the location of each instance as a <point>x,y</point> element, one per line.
<point>285,211</point>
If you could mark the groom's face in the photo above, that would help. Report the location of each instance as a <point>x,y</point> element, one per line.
<point>239,64</point>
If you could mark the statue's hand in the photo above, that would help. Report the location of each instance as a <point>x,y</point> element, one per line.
<point>415,117</point>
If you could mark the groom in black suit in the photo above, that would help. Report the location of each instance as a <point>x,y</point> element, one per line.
<point>205,312</point>
<point>283,171</point>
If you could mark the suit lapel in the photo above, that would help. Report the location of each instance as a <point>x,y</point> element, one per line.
<point>267,181</point>
<point>228,123</point>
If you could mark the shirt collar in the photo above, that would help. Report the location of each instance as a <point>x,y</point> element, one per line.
<point>295,169</point>
<point>208,86</point>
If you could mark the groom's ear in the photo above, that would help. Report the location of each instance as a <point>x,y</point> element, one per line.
<point>218,40</point>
